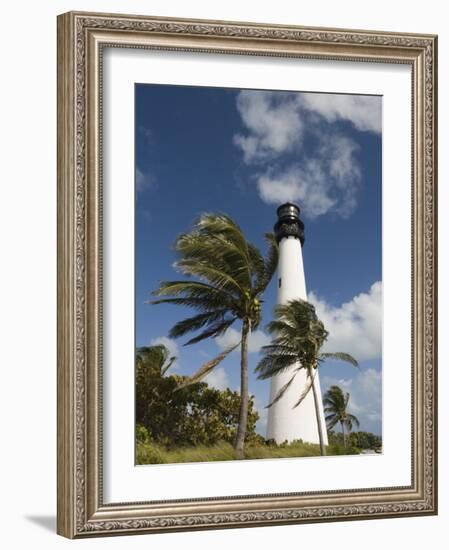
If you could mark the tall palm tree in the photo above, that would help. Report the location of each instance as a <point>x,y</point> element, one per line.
<point>335,405</point>
<point>299,337</point>
<point>230,277</point>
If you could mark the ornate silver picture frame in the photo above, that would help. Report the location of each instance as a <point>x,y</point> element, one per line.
<point>82,41</point>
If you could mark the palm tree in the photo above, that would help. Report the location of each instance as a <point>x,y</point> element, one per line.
<point>156,358</point>
<point>230,277</point>
<point>299,337</point>
<point>151,364</point>
<point>335,405</point>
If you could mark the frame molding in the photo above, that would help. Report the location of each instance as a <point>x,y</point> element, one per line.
<point>81,37</point>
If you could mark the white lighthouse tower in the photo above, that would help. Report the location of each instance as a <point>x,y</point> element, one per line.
<point>286,423</point>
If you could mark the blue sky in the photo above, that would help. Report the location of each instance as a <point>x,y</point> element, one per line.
<point>243,152</point>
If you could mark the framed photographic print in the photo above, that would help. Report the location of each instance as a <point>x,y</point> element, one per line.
<point>246,274</point>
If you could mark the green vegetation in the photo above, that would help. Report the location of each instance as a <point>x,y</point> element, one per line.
<point>299,337</point>
<point>172,415</point>
<point>335,407</point>
<point>360,440</point>
<point>151,453</point>
<point>182,419</point>
<point>230,275</point>
<point>196,423</point>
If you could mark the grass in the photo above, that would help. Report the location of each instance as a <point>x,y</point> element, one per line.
<point>150,453</point>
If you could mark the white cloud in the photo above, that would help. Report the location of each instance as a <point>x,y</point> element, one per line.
<point>320,184</point>
<point>273,121</point>
<point>356,326</point>
<point>145,181</point>
<point>276,121</point>
<point>218,379</point>
<point>257,339</point>
<point>365,389</point>
<point>279,123</point>
<point>364,112</point>
<point>306,184</point>
<point>230,338</point>
<point>170,344</point>
<point>338,152</point>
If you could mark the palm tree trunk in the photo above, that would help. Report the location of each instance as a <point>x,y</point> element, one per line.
<point>317,414</point>
<point>344,433</point>
<point>239,445</point>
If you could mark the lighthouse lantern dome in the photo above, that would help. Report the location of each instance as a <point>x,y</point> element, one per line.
<point>289,223</point>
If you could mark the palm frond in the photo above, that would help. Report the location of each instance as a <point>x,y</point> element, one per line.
<point>216,329</point>
<point>217,238</point>
<point>296,311</point>
<point>354,420</point>
<point>154,357</point>
<point>257,262</point>
<point>206,368</point>
<point>282,391</point>
<point>270,365</point>
<point>336,402</point>
<point>225,227</point>
<point>331,421</point>
<point>329,406</point>
<point>269,264</point>
<point>283,329</point>
<point>340,356</point>
<point>306,390</point>
<point>187,301</point>
<point>278,349</point>
<point>201,297</point>
<point>195,323</point>
<point>194,290</point>
<point>168,365</point>
<point>219,278</point>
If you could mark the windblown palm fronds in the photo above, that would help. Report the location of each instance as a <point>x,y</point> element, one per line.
<point>298,338</point>
<point>335,408</point>
<point>155,357</point>
<point>228,278</point>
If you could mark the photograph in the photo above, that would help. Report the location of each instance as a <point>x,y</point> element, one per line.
<point>247,282</point>
<point>227,257</point>
<point>258,274</point>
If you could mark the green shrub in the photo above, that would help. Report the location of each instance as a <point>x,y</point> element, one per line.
<point>190,416</point>
<point>358,440</point>
<point>146,453</point>
<point>142,434</point>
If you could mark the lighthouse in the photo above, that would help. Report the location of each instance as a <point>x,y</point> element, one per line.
<point>286,423</point>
